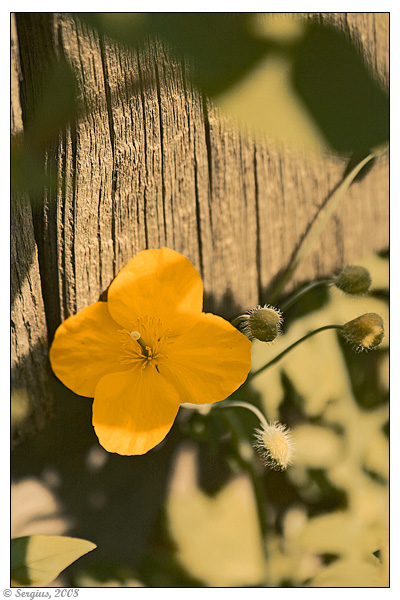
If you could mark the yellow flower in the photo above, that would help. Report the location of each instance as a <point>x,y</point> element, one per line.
<point>148,349</point>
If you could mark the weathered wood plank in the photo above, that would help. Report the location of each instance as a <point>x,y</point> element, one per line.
<point>30,371</point>
<point>149,162</point>
<point>231,255</point>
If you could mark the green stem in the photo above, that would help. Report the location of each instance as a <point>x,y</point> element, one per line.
<point>282,354</point>
<point>259,492</point>
<point>318,225</point>
<point>240,404</point>
<point>307,288</point>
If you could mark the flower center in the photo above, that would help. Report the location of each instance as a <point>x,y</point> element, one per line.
<point>146,343</point>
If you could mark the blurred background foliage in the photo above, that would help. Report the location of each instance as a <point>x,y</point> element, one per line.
<point>197,510</point>
<point>292,80</point>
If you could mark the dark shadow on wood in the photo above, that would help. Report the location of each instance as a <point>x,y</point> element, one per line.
<point>22,244</point>
<point>227,307</point>
<point>30,382</point>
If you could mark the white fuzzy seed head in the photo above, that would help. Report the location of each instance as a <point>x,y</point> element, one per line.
<point>274,445</point>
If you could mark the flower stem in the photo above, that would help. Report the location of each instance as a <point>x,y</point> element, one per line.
<point>300,293</point>
<point>235,322</point>
<point>259,491</point>
<point>284,352</point>
<point>240,404</point>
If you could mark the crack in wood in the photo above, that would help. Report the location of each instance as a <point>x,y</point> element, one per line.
<point>108,96</point>
<point>145,149</point>
<point>207,133</point>
<point>162,145</point>
<point>258,227</point>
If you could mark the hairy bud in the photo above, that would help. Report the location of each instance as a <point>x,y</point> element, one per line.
<point>353,280</point>
<point>262,323</point>
<point>365,332</point>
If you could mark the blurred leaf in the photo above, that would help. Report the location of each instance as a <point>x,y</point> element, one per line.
<point>159,568</point>
<point>53,105</point>
<point>27,167</point>
<point>308,438</point>
<point>55,102</point>
<point>38,559</point>
<point>104,574</point>
<point>265,101</point>
<point>217,538</point>
<point>220,47</point>
<point>92,582</point>
<point>351,573</point>
<point>339,533</point>
<point>36,509</point>
<point>20,406</point>
<point>126,28</point>
<point>377,456</point>
<point>280,28</point>
<point>331,79</point>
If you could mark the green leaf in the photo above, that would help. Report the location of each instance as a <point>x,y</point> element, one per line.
<point>37,559</point>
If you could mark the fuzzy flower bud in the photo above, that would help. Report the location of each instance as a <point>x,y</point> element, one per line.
<point>274,444</point>
<point>365,332</point>
<point>353,280</point>
<point>262,323</point>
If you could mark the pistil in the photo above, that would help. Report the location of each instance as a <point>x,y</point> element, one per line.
<point>135,335</point>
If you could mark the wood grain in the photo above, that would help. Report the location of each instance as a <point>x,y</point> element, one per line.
<point>30,370</point>
<point>150,162</point>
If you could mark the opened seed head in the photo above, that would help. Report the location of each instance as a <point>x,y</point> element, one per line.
<point>274,445</point>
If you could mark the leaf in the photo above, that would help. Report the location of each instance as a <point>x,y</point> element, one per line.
<point>217,538</point>
<point>351,573</point>
<point>37,559</point>
<point>264,101</point>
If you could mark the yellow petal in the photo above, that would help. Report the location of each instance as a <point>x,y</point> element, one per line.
<point>133,411</point>
<point>157,283</point>
<point>209,362</point>
<point>86,347</point>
